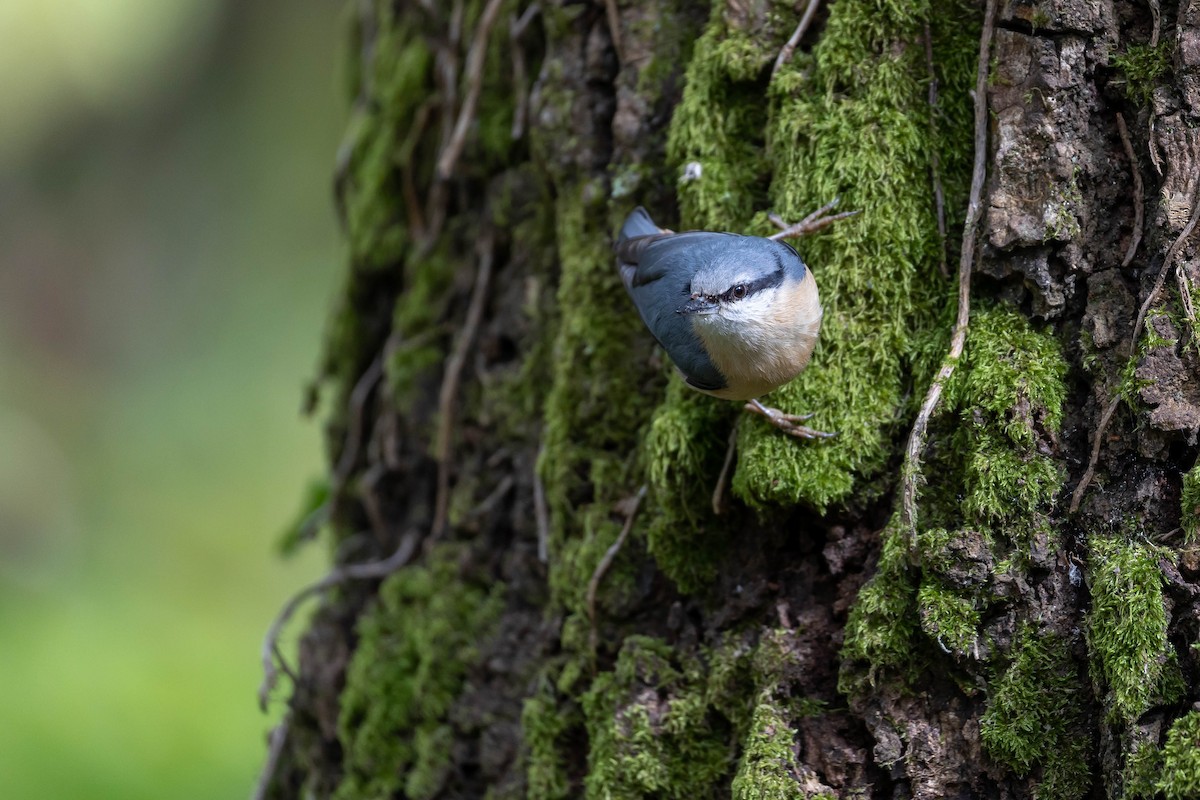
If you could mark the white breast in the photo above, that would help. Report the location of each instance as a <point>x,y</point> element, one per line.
<point>764,341</point>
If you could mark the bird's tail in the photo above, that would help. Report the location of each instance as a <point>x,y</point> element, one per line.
<point>638,223</point>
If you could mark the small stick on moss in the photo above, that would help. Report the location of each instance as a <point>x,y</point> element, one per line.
<point>273,661</point>
<point>1185,298</point>
<point>614,29</point>
<point>275,743</point>
<point>474,72</point>
<point>541,513</point>
<point>485,250</point>
<point>610,555</point>
<point>935,166</point>
<point>810,224</point>
<point>516,29</point>
<point>1152,146</point>
<point>1139,192</point>
<point>910,472</point>
<point>412,204</point>
<point>354,425</point>
<point>785,55</point>
<point>719,499</point>
<point>1106,417</point>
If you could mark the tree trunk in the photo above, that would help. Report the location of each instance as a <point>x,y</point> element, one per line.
<point>494,405</point>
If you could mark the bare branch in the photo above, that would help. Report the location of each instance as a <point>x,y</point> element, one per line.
<point>916,440</point>
<point>474,71</point>
<point>785,55</point>
<point>447,397</point>
<point>1139,192</point>
<point>606,562</point>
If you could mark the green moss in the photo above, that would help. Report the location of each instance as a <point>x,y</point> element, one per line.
<point>1143,67</point>
<point>1172,772</point>
<point>855,122</point>
<point>883,622</point>
<point>414,650</point>
<point>1141,772</point>
<point>597,404</point>
<point>947,617</point>
<point>1189,505</point>
<point>1127,626</point>
<point>768,767</point>
<point>718,124</point>
<point>1181,759</point>
<point>683,450</point>
<point>651,731</point>
<point>543,725</point>
<point>1009,386</point>
<point>1034,718</point>
<point>308,520</point>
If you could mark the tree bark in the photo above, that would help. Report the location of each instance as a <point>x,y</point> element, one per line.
<point>540,629</point>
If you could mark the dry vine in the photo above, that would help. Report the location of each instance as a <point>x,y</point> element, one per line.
<point>916,441</point>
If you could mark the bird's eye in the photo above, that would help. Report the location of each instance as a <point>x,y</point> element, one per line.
<point>739,291</point>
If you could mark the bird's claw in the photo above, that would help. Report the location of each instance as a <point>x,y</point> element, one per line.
<point>810,224</point>
<point>787,422</point>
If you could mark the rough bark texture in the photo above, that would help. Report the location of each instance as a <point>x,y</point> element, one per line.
<point>803,644</point>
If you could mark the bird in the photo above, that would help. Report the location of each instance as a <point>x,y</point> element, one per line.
<point>738,315</point>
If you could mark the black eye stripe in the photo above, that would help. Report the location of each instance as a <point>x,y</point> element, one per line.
<point>765,282</point>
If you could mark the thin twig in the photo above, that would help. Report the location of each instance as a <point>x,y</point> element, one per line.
<point>810,224</point>
<point>1106,417</point>
<point>1139,192</point>
<point>916,439</point>
<point>1109,410</point>
<point>1156,13</point>
<point>354,427</point>
<point>1185,298</point>
<point>935,164</point>
<point>516,29</point>
<point>1168,262</point>
<point>474,72</point>
<point>492,500</point>
<point>1152,146</point>
<point>614,29</point>
<point>606,562</point>
<point>785,55</point>
<point>447,397</point>
<point>412,204</point>
<point>719,500</point>
<point>338,575</point>
<point>541,513</point>
<point>275,744</point>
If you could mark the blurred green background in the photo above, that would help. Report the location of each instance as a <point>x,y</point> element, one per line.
<point>168,252</point>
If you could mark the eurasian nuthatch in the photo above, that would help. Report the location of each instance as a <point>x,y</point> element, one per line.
<point>738,315</point>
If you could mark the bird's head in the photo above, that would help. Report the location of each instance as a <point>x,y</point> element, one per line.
<point>750,281</point>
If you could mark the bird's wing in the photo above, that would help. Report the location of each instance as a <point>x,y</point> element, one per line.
<point>658,275</point>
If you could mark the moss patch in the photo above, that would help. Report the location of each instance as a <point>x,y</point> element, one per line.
<point>1033,718</point>
<point>1172,772</point>
<point>1127,626</point>
<point>651,731</point>
<point>543,724</point>
<point>414,650</point>
<point>882,623</point>
<point>1189,505</point>
<point>1143,67</point>
<point>684,449</point>
<point>596,405</point>
<point>768,766</point>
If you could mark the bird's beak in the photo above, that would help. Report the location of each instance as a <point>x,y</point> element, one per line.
<point>698,305</point>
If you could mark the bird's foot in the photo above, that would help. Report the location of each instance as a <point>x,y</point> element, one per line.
<point>821,218</point>
<point>788,423</point>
